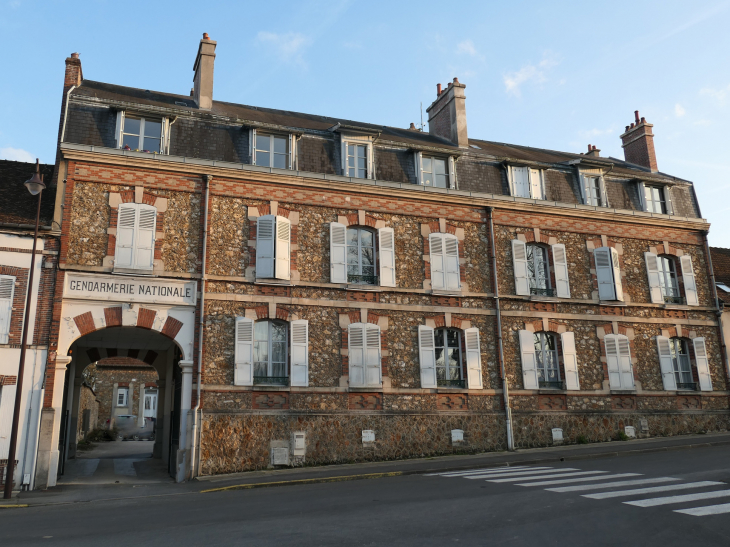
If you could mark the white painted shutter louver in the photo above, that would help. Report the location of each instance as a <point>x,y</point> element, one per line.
<point>529,363</point>
<point>652,272</point>
<point>265,244</point>
<point>570,361</point>
<point>624,359</point>
<point>438,267</point>
<point>126,222</point>
<point>473,358</point>
<point>690,285</point>
<point>612,360</point>
<point>536,185</point>
<point>372,352</point>
<point>283,248</point>
<point>617,283</point>
<point>338,253</point>
<point>452,172</point>
<point>519,264</point>
<point>145,245</point>
<point>560,265</point>
<point>299,353</point>
<point>7,292</point>
<point>356,354</point>
<point>665,363</point>
<point>604,273</point>
<point>703,364</point>
<point>386,247</point>
<point>243,371</point>
<point>427,354</point>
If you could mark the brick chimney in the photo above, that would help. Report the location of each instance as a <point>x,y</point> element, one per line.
<point>593,151</point>
<point>447,114</point>
<point>203,80</point>
<point>638,143</point>
<point>74,74</point>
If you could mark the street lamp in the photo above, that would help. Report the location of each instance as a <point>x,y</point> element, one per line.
<point>35,187</point>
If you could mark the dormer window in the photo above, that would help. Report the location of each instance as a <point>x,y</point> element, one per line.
<point>357,156</point>
<point>656,199</point>
<point>271,149</point>
<point>526,182</point>
<point>435,171</point>
<point>593,188</point>
<point>141,134</point>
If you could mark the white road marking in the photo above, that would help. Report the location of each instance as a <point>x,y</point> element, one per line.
<point>651,490</point>
<point>708,510</point>
<point>653,502</point>
<point>483,470</point>
<point>610,484</point>
<point>519,473</point>
<point>555,476</point>
<point>583,479</point>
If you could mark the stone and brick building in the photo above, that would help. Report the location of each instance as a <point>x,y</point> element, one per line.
<point>17,222</point>
<point>319,290</point>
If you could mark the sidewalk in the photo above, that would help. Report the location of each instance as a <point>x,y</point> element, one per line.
<point>281,477</point>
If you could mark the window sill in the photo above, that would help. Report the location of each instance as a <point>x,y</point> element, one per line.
<point>363,389</point>
<point>133,271</point>
<point>551,390</point>
<point>540,298</point>
<point>269,387</point>
<point>446,293</point>
<point>272,281</point>
<point>451,390</point>
<point>617,303</point>
<point>623,392</point>
<point>357,287</point>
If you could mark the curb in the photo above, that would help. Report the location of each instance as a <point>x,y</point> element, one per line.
<point>445,468</point>
<point>15,506</point>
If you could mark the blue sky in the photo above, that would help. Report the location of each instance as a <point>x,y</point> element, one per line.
<point>556,75</point>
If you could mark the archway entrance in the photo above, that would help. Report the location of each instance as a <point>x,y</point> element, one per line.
<point>122,382</point>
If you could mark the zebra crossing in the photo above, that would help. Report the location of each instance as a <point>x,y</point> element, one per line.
<point>599,485</point>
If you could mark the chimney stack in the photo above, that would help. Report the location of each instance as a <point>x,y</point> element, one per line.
<point>593,151</point>
<point>638,143</point>
<point>447,114</point>
<point>74,75</point>
<point>203,80</point>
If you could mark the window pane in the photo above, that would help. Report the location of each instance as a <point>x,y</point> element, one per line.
<point>278,332</point>
<point>131,126</point>
<point>152,128</point>
<point>439,338</point>
<point>361,173</point>
<point>368,270</point>
<point>130,140</point>
<point>440,357</point>
<point>261,330</point>
<point>278,352</point>
<point>452,337</point>
<point>442,181</point>
<point>361,152</point>
<point>426,164</point>
<point>439,166</point>
<point>151,145</point>
<point>366,238</point>
<point>261,352</point>
<point>350,150</point>
<point>260,369</point>
<point>262,158</point>
<point>280,161</point>
<point>352,256</point>
<point>361,163</point>
<point>368,256</point>
<point>352,235</point>
<point>427,179</point>
<point>263,142</point>
<point>280,145</point>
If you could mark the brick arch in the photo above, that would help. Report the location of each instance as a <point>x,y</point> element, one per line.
<point>113,318</point>
<point>123,362</point>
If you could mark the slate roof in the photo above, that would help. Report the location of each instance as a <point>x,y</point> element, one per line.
<point>259,115</point>
<point>17,206</point>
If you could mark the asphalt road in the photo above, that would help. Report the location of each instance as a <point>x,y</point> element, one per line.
<point>513,507</point>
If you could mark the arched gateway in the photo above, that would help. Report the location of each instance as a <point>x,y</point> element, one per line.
<point>112,316</point>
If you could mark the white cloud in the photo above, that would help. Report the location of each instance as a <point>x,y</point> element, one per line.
<point>535,74</point>
<point>288,47</point>
<point>595,132</point>
<point>467,46</point>
<point>16,154</point>
<point>679,110</point>
<point>718,94</point>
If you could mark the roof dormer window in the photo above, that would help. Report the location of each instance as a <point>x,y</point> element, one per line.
<point>435,171</point>
<point>141,134</point>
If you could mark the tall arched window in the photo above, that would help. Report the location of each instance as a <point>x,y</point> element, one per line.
<point>546,358</point>
<point>448,357</point>
<point>668,279</point>
<point>361,256</point>
<point>538,270</point>
<point>270,352</point>
<point>681,363</point>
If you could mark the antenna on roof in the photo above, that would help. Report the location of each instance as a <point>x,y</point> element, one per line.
<point>421,115</point>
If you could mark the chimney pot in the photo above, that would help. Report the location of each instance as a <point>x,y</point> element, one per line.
<point>438,90</point>
<point>632,125</point>
<point>636,115</point>
<point>205,36</point>
<point>74,55</point>
<point>456,80</point>
<point>643,119</point>
<point>638,143</point>
<point>627,128</point>
<point>413,126</point>
<point>589,147</point>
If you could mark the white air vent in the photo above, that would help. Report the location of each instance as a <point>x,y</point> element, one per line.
<point>457,436</point>
<point>368,436</point>
<point>557,435</point>
<point>630,431</point>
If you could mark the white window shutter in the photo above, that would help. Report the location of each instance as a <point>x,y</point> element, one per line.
<point>624,360</point>
<point>356,353</point>
<point>612,361</point>
<point>283,248</point>
<point>373,369</point>
<point>417,157</point>
<point>665,363</point>
<point>668,200</point>
<point>570,361</point>
<point>604,195</point>
<point>438,261</point>
<point>703,364</point>
<point>265,245</point>
<point>292,140</point>
<point>519,265</point>
<point>641,191</point>
<point>511,180</point>
<point>652,272</point>
<point>521,182</point>
<point>473,358</point>
<point>536,186</point>
<point>427,355</point>
<point>164,136</point>
<point>370,160</point>
<point>7,292</point>
<point>617,284</point>
<point>586,189</point>
<point>299,353</point>
<point>252,145</point>
<point>529,363</point>
<point>386,248</point>
<point>452,172</point>
<point>145,245</point>
<point>243,371</point>
<point>344,156</point>
<point>120,127</point>
<point>126,235</point>
<point>560,265</point>
<point>451,260</point>
<point>604,273</point>
<point>690,285</point>
<point>338,253</point>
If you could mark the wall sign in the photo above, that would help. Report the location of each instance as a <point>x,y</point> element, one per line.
<point>129,289</point>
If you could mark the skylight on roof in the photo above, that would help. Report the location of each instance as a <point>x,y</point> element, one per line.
<point>723,287</point>
<point>475,146</point>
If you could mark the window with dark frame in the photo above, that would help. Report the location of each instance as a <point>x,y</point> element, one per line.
<point>142,134</point>
<point>272,151</point>
<point>361,256</point>
<point>668,279</point>
<point>270,352</point>
<point>538,270</point>
<point>448,357</point>
<point>548,364</point>
<point>123,396</point>
<point>654,199</point>
<point>435,172</point>
<point>682,364</point>
<point>357,161</point>
<point>594,191</point>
